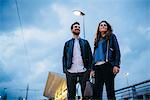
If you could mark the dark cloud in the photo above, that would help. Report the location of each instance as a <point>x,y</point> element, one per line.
<point>8,15</point>
<point>29,13</point>
<point>4,77</point>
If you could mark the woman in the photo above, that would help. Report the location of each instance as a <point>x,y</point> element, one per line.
<point>106,60</point>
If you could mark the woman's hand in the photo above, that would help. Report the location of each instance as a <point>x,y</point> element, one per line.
<point>116,70</point>
<point>92,73</point>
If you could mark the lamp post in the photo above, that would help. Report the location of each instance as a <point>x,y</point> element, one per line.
<point>126,76</point>
<point>80,13</point>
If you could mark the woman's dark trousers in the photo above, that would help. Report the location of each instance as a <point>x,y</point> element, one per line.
<point>104,74</point>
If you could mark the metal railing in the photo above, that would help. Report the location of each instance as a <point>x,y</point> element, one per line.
<point>134,92</point>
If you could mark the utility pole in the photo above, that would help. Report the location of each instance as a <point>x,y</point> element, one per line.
<point>4,95</point>
<point>27,92</point>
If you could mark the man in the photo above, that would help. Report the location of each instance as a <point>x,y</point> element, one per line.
<point>77,61</point>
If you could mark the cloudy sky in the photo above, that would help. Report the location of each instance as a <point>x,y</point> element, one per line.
<point>32,48</point>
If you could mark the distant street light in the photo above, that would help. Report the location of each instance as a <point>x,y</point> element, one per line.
<point>80,13</point>
<point>126,76</point>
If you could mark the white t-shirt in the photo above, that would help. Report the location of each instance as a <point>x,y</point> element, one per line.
<point>77,65</point>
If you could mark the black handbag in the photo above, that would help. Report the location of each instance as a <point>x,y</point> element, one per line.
<point>88,92</point>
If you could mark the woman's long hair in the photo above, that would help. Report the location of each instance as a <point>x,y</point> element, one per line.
<point>98,34</point>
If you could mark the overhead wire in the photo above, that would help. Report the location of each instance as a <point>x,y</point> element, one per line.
<point>22,33</point>
<point>24,45</point>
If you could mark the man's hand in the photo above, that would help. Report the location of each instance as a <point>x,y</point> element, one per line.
<point>116,70</point>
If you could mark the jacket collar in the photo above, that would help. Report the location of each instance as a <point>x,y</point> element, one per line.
<point>79,38</point>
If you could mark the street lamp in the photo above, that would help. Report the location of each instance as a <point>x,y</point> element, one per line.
<point>80,13</point>
<point>126,76</point>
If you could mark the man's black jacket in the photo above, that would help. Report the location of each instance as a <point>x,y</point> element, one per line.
<point>85,53</point>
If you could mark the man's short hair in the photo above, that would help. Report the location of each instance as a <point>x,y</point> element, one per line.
<point>74,24</point>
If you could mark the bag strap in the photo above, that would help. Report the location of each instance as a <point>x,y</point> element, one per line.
<point>107,50</point>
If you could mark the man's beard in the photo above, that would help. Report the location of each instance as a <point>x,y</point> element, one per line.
<point>76,33</point>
